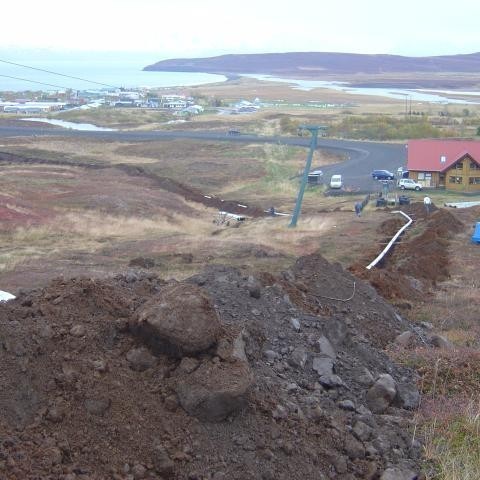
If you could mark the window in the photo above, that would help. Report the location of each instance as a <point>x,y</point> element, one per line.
<point>456,180</point>
<point>421,176</point>
<point>474,165</point>
<point>459,166</point>
<point>474,180</point>
<point>443,159</point>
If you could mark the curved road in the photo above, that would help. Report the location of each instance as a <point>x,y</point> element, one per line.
<point>360,157</point>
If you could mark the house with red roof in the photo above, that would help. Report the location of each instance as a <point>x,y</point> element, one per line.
<point>449,164</point>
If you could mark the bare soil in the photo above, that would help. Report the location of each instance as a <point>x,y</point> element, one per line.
<point>74,406</point>
<point>77,404</point>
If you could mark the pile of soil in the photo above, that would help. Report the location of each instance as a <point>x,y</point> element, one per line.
<point>418,262</point>
<point>227,375</point>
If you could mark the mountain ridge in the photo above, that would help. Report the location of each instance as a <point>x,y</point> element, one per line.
<point>309,64</point>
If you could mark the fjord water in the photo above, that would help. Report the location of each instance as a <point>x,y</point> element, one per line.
<point>115,72</point>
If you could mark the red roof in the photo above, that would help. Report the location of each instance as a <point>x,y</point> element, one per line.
<point>438,155</point>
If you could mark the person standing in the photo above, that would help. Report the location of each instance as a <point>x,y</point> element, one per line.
<point>427,202</point>
<point>358,209</point>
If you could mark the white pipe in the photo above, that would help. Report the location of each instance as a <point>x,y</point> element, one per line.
<point>392,241</point>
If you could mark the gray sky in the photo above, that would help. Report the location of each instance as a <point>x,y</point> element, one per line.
<point>192,28</point>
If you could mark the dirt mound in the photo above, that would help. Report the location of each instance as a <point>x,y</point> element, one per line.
<point>417,263</point>
<point>285,391</point>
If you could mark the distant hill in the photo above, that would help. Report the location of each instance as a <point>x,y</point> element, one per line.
<point>314,64</point>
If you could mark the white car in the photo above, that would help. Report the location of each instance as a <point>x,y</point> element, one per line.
<point>336,181</point>
<point>409,184</point>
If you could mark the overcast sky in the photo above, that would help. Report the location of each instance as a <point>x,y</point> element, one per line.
<point>192,28</point>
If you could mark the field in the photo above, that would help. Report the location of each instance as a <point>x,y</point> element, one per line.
<point>73,207</point>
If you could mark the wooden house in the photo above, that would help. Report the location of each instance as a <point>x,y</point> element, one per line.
<point>449,164</point>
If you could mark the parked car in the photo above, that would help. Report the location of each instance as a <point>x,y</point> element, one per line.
<point>315,176</point>
<point>382,175</point>
<point>409,184</point>
<point>336,181</point>
<point>232,131</point>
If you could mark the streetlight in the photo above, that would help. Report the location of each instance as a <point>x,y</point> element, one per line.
<point>313,129</point>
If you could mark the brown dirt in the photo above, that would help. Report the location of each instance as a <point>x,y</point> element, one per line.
<point>165,183</point>
<point>74,409</point>
<point>418,262</point>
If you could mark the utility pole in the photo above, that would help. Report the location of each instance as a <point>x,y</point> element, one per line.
<point>313,145</point>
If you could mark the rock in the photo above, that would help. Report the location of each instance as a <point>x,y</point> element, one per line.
<point>362,431</point>
<point>180,320</point>
<point>408,396</point>
<point>298,358</point>
<point>426,325</point>
<point>279,412</point>
<point>45,331</point>
<point>335,330</point>
<point>381,394</point>
<point>121,325</point>
<point>404,339</point>
<point>188,364</point>
<point>142,262</point>
<point>323,366</point>
<point>353,448</point>
<point>331,381</point>
<point>295,323</point>
<point>139,471</point>
<point>254,287</point>
<point>78,330</point>
<point>54,456</point>
<point>381,444</point>
<point>347,405</point>
<point>325,347</point>
<point>100,365</point>
<point>140,359</point>
<point>97,406</point>
<point>55,414</point>
<point>171,403</point>
<point>162,463</point>
<point>440,342</point>
<point>214,390</point>
<point>228,349</point>
<point>270,355</point>
<point>363,376</point>
<point>340,464</point>
<point>395,473</point>
<point>131,277</point>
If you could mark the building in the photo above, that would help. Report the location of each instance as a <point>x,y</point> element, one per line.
<point>449,164</point>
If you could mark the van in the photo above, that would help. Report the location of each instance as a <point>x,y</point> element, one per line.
<point>336,181</point>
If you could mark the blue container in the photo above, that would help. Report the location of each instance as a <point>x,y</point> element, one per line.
<point>476,234</point>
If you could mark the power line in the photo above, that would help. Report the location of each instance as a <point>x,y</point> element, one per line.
<point>56,73</point>
<point>34,81</point>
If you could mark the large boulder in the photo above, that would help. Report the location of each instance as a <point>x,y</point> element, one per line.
<point>180,320</point>
<point>214,390</point>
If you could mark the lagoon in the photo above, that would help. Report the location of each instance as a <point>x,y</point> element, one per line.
<point>420,95</point>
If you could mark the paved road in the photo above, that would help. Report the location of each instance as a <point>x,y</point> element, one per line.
<point>360,157</point>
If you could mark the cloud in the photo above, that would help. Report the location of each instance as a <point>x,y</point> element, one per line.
<point>193,28</point>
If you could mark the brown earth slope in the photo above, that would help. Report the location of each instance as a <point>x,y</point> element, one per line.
<point>285,381</point>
